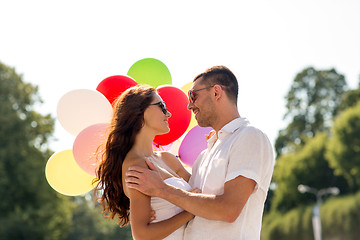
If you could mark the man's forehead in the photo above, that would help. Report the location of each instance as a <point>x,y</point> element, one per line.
<point>197,83</point>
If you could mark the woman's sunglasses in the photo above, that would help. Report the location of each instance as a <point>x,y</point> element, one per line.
<point>162,105</point>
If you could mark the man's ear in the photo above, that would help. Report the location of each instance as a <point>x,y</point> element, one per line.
<point>218,91</point>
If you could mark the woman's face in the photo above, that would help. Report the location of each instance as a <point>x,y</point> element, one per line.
<point>155,117</point>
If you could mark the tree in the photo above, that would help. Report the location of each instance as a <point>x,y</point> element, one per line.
<point>312,102</point>
<point>92,225</point>
<point>339,220</point>
<point>307,166</point>
<point>29,208</point>
<point>350,99</point>
<point>344,146</point>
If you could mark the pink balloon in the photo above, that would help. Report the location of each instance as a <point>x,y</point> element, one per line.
<point>193,144</point>
<point>88,146</point>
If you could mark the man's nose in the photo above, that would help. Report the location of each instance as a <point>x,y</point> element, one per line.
<point>190,106</point>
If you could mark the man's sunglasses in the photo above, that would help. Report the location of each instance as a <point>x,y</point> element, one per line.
<point>191,93</point>
<point>162,105</point>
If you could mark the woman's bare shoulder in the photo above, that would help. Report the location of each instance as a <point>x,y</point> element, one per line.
<point>134,160</point>
<point>128,162</point>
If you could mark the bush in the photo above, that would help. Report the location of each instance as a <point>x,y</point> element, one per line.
<point>340,218</point>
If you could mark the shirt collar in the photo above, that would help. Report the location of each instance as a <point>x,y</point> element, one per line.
<point>235,124</point>
<point>229,128</point>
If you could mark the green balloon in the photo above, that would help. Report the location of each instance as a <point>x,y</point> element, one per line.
<point>150,71</point>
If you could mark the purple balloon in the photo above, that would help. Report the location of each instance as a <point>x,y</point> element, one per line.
<point>193,144</point>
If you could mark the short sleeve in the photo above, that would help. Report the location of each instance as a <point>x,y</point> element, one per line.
<point>251,156</point>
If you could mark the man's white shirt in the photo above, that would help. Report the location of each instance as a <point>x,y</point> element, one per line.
<point>238,149</point>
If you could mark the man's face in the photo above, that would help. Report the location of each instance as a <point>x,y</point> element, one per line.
<point>202,104</point>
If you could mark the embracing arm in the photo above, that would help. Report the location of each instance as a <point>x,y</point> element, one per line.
<point>140,211</point>
<point>140,214</point>
<point>226,207</point>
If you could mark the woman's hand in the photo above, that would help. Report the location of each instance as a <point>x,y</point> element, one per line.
<point>152,215</point>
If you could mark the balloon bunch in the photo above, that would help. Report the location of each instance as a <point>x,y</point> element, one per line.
<point>86,114</point>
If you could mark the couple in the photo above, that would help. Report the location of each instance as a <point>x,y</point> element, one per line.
<point>222,199</point>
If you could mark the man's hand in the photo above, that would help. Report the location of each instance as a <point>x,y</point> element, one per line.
<point>147,181</point>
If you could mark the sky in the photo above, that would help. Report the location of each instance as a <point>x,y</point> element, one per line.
<point>65,45</point>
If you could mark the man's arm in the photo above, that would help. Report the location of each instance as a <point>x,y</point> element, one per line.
<point>226,207</point>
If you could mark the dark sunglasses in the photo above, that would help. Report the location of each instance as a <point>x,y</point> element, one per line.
<point>162,105</point>
<point>191,93</point>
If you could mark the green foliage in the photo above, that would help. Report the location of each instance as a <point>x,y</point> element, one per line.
<point>343,149</point>
<point>295,224</point>
<point>340,219</point>
<point>341,216</point>
<point>312,101</point>
<point>90,224</point>
<point>29,208</point>
<point>350,99</point>
<point>310,154</point>
<point>306,166</point>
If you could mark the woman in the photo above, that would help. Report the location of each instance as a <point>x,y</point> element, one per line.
<point>140,115</point>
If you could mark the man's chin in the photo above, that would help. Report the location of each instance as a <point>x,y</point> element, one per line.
<point>203,124</point>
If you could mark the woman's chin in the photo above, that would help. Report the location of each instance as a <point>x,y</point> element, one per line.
<point>163,131</point>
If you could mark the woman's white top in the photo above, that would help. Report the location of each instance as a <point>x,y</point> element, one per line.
<point>164,209</point>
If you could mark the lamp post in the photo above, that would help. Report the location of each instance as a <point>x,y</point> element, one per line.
<point>316,210</point>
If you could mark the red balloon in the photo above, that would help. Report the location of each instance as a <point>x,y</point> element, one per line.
<point>112,87</point>
<point>176,102</point>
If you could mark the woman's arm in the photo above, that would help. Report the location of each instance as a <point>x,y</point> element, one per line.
<point>175,164</point>
<point>140,209</point>
<point>140,215</point>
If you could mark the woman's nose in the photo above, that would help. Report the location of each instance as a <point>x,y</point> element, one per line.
<point>168,114</point>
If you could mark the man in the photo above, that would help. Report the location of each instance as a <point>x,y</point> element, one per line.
<point>233,174</point>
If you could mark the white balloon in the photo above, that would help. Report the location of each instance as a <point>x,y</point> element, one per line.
<point>81,108</point>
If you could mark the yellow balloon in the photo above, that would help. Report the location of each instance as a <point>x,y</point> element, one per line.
<point>65,176</point>
<point>193,121</point>
<point>187,87</point>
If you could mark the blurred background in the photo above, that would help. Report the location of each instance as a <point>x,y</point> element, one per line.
<point>297,63</point>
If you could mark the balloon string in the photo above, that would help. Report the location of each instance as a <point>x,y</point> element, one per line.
<point>156,146</point>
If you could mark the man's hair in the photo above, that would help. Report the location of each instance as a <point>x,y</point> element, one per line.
<point>221,75</point>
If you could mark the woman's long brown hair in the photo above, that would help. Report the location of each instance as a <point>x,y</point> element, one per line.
<point>126,123</point>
